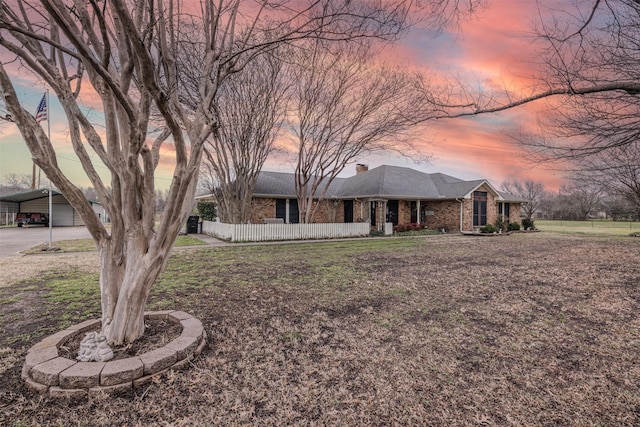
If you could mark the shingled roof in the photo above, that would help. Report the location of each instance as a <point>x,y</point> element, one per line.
<point>387,182</point>
<point>279,184</point>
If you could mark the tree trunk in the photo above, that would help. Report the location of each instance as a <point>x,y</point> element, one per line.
<point>125,283</point>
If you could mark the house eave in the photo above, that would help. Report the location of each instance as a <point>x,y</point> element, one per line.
<point>495,192</point>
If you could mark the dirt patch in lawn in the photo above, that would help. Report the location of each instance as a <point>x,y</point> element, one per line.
<point>530,329</point>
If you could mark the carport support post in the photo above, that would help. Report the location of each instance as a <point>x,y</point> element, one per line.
<point>50,189</point>
<point>50,220</point>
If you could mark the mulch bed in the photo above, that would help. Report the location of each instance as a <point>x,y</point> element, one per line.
<point>157,333</point>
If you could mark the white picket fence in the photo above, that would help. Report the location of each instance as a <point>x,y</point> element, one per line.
<point>270,232</point>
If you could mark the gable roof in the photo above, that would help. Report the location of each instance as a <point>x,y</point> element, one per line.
<point>388,182</point>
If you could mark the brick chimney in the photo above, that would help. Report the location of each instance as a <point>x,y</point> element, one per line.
<point>361,168</point>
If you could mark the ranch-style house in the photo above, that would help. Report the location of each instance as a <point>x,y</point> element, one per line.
<point>389,194</point>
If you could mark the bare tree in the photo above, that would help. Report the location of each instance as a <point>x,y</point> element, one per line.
<point>344,106</point>
<point>534,192</point>
<point>579,199</point>
<point>255,107</point>
<point>161,199</point>
<point>127,53</point>
<point>619,207</point>
<point>590,55</point>
<point>617,170</point>
<point>14,182</point>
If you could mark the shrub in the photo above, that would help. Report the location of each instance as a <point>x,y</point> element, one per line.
<point>412,226</point>
<point>207,211</point>
<point>527,224</point>
<point>500,225</point>
<point>513,226</point>
<point>488,229</point>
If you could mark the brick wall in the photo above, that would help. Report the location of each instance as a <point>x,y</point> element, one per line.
<point>492,206</point>
<point>446,213</point>
<point>404,211</point>
<point>514,212</point>
<point>261,209</point>
<point>361,210</point>
<point>328,211</point>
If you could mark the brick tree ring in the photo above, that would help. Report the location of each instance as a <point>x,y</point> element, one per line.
<point>44,371</point>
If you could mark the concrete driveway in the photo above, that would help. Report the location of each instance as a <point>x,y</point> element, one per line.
<point>16,239</point>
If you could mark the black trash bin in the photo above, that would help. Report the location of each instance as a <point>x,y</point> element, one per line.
<point>192,224</point>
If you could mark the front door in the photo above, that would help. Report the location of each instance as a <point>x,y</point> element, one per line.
<point>373,213</point>
<point>392,211</point>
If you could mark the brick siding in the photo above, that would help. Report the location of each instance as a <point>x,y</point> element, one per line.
<point>445,214</point>
<point>261,209</point>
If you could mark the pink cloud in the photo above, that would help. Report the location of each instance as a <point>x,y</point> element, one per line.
<point>493,51</point>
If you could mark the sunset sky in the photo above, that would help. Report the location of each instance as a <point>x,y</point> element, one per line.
<point>493,50</point>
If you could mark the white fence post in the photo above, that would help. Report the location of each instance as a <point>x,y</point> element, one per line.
<point>388,228</point>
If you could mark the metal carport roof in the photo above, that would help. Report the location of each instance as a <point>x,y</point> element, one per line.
<point>28,195</point>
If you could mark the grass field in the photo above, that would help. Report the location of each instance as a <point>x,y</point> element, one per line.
<point>85,245</point>
<point>619,228</point>
<point>526,329</point>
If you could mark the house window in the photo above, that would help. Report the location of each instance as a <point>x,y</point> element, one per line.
<point>281,209</point>
<point>479,208</point>
<point>294,214</point>
<point>348,211</point>
<point>287,209</point>
<point>504,209</point>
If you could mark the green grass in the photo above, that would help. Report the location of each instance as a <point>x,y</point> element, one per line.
<point>63,246</point>
<point>616,228</point>
<point>74,297</point>
<point>189,241</point>
<point>87,245</point>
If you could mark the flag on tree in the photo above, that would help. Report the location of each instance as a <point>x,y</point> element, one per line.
<point>41,112</point>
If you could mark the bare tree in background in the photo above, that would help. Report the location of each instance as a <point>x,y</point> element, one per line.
<point>344,106</point>
<point>579,199</point>
<point>589,74</point>
<point>254,108</point>
<point>534,192</point>
<point>617,170</point>
<point>127,53</point>
<point>161,200</point>
<point>16,182</point>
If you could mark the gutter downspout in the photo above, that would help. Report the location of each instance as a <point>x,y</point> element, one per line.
<point>461,205</point>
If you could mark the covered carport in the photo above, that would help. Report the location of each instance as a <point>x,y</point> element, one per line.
<point>37,201</point>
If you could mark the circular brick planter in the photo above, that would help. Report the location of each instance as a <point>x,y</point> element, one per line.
<point>44,371</point>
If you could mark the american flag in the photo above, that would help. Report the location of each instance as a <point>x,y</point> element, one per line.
<point>41,112</point>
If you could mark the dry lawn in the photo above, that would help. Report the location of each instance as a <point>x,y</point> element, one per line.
<point>527,329</point>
